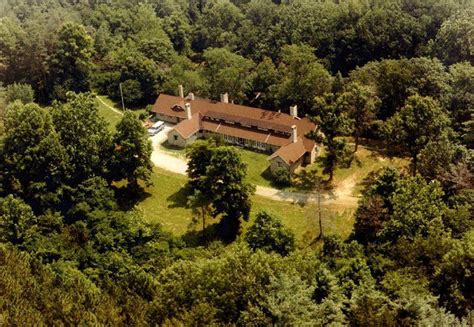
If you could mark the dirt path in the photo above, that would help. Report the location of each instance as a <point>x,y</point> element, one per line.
<point>177,165</point>
<point>108,106</point>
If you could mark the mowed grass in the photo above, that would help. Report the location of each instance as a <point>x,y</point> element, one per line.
<point>166,204</point>
<point>109,115</point>
<point>112,117</point>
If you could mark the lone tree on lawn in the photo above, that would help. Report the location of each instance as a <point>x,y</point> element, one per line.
<point>420,121</point>
<point>310,181</point>
<point>132,152</point>
<point>218,174</point>
<point>332,121</point>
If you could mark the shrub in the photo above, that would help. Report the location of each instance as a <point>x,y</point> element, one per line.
<point>281,176</point>
<point>18,91</point>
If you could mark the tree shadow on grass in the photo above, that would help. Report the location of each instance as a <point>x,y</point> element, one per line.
<point>167,146</point>
<point>179,199</point>
<point>379,148</point>
<point>128,197</point>
<point>267,175</point>
<point>196,237</point>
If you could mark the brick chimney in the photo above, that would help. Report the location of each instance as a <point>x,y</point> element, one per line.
<point>294,111</point>
<point>225,97</point>
<point>294,134</point>
<point>181,91</point>
<point>188,110</point>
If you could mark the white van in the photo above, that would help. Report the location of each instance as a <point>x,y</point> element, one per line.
<point>156,128</point>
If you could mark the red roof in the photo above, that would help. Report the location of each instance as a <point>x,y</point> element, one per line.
<point>240,121</point>
<point>291,152</point>
<point>279,121</point>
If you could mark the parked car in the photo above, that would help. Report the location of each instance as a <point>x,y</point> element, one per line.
<point>156,128</point>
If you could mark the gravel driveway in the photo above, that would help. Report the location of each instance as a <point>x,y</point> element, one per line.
<point>169,162</point>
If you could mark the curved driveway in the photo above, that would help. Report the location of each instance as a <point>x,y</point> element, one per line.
<point>163,159</point>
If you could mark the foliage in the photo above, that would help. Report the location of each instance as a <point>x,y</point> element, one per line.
<point>19,91</point>
<point>281,176</point>
<point>18,221</point>
<point>227,72</point>
<point>332,121</point>
<point>454,40</point>
<point>303,77</point>
<point>84,136</point>
<point>34,160</point>
<point>360,102</point>
<point>268,234</point>
<point>132,151</point>
<point>218,173</point>
<point>71,64</point>
<point>417,123</point>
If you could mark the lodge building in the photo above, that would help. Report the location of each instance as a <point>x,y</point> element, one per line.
<point>281,135</point>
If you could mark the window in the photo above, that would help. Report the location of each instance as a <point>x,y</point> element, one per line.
<point>175,137</point>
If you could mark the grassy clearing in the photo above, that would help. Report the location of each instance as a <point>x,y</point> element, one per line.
<point>166,202</point>
<point>257,164</point>
<point>258,172</point>
<point>111,116</point>
<point>366,160</point>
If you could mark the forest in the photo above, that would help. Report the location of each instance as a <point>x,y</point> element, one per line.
<point>75,248</point>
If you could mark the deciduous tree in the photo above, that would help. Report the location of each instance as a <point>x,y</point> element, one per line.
<point>84,135</point>
<point>227,72</point>
<point>132,151</point>
<point>420,121</point>
<point>332,122</point>
<point>268,233</point>
<point>71,63</point>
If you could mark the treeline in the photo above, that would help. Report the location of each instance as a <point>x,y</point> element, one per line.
<point>152,47</point>
<point>263,53</point>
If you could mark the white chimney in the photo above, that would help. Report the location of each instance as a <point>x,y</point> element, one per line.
<point>225,97</point>
<point>181,91</point>
<point>188,110</point>
<point>294,134</point>
<point>294,111</point>
<point>191,96</point>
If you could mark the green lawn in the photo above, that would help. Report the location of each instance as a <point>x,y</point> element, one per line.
<point>111,116</point>
<point>257,163</point>
<point>165,204</point>
<point>258,172</point>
